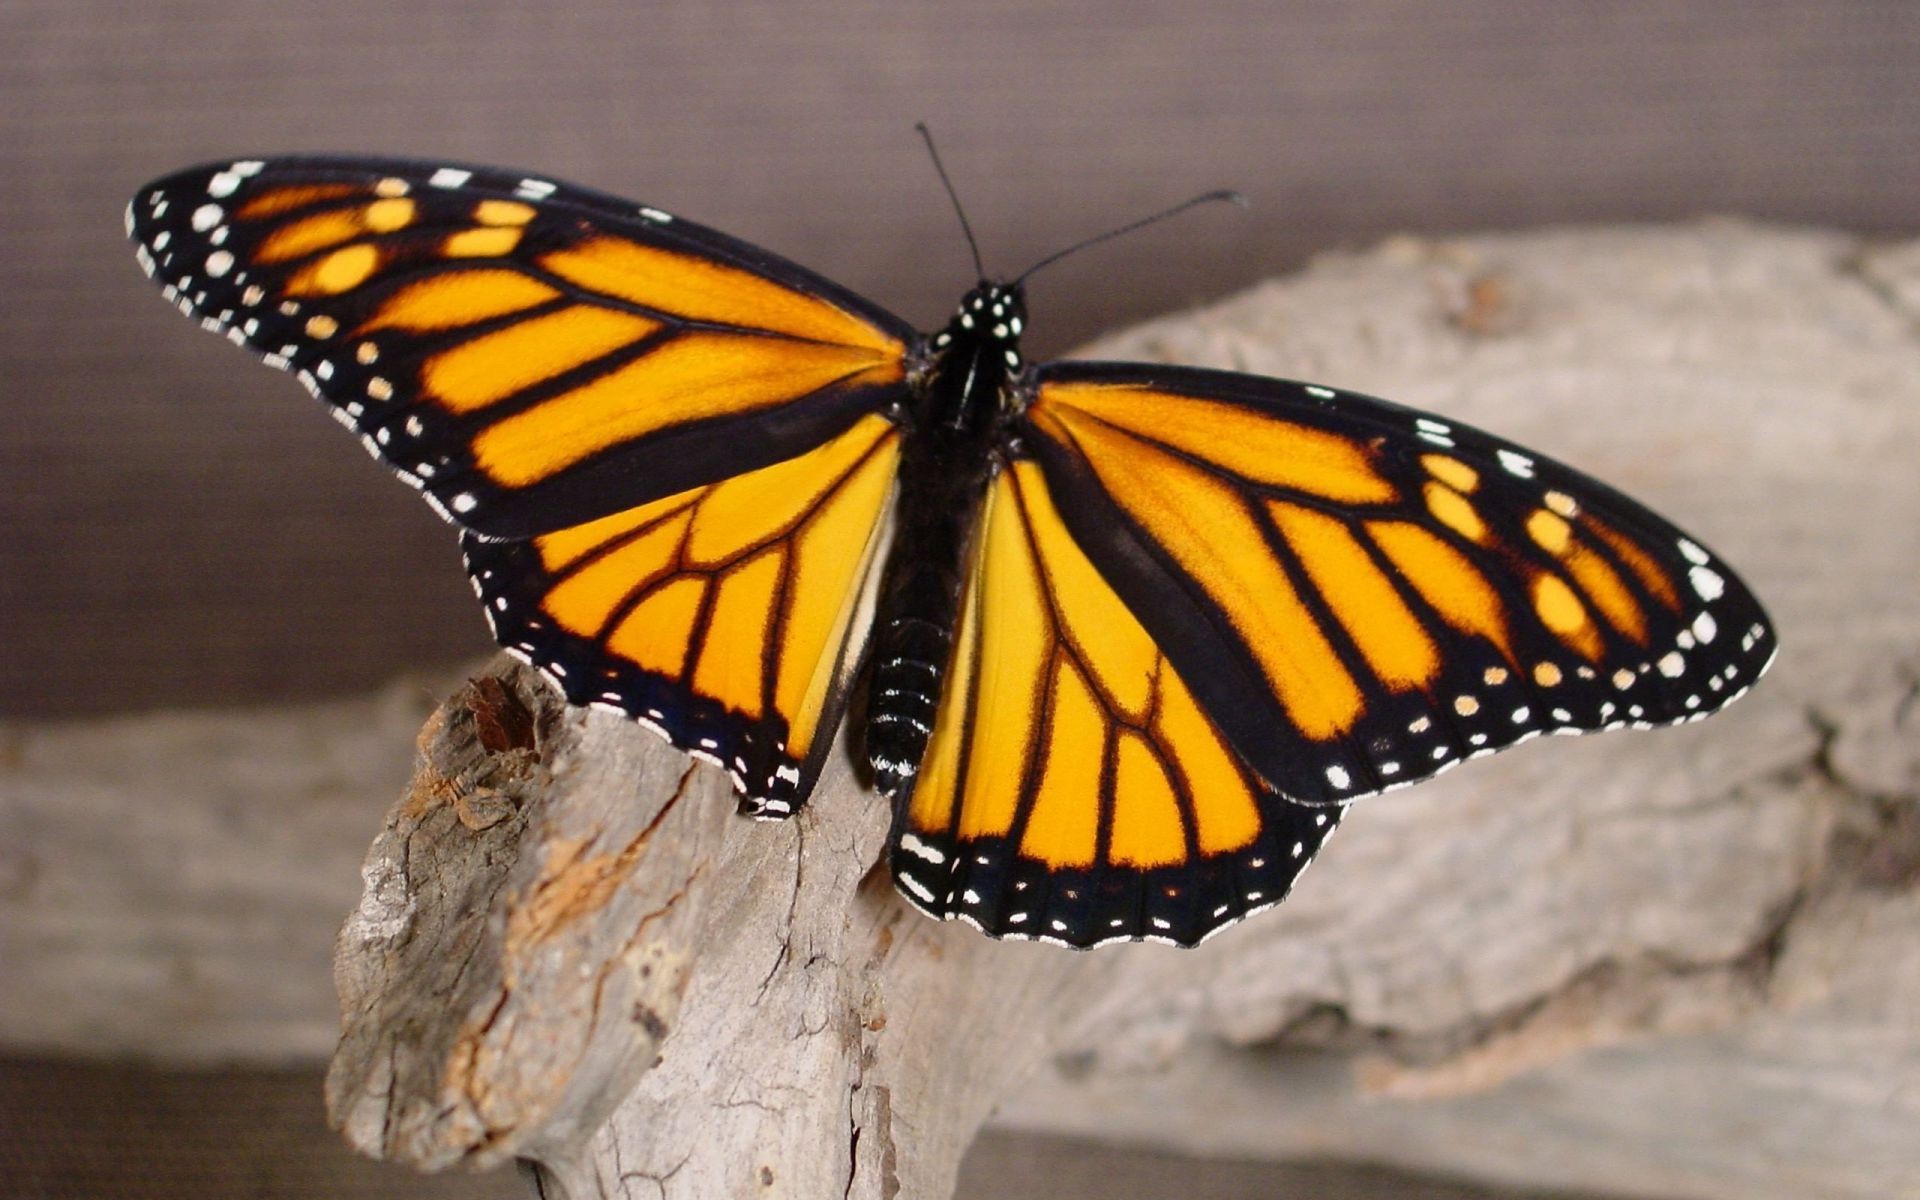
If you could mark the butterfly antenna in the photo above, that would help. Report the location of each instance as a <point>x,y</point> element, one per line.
<point>927,135</point>
<point>1230,197</point>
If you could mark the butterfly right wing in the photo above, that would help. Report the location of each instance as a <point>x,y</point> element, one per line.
<point>729,618</point>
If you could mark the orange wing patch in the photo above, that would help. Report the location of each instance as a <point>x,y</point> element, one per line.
<point>694,377</point>
<point>1445,580</point>
<point>699,289</point>
<point>1257,448</point>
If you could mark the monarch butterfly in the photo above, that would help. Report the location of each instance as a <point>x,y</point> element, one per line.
<point>1136,632</point>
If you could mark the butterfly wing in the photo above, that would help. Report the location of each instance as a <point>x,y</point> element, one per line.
<point>665,445</point>
<point>1073,789</point>
<point>529,354</point>
<point>1362,595</point>
<point>728,617</point>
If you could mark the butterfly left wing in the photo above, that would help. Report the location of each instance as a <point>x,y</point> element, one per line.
<point>1073,790</point>
<point>528,354</point>
<point>1362,595</point>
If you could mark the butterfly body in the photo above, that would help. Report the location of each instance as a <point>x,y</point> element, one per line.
<point>955,425</point>
<point>1134,634</point>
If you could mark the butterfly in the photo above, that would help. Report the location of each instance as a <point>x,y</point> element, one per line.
<point>1130,636</point>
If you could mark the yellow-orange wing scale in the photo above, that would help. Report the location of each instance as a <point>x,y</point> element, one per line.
<point>1074,790</point>
<point>726,617</point>
<point>529,354</point>
<point>1362,595</point>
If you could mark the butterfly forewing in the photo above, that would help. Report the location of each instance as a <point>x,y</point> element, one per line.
<point>1363,595</point>
<point>529,354</point>
<point>1074,790</point>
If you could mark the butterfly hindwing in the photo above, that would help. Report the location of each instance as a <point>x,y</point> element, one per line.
<point>1363,595</point>
<point>1073,789</point>
<point>529,354</point>
<point>727,617</point>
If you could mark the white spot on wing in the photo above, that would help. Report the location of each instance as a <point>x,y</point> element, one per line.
<point>913,845</point>
<point>1707,583</point>
<point>1517,464</point>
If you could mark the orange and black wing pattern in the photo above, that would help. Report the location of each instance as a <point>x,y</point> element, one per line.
<point>728,618</point>
<point>1362,595</point>
<point>1074,790</point>
<point>529,354</point>
<point>668,448</point>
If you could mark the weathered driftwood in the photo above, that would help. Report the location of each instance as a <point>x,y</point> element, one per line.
<point>1674,963</point>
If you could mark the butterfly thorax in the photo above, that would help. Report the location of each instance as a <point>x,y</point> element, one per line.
<point>953,424</point>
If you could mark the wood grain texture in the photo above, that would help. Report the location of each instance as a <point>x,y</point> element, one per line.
<point>186,528</point>
<point>1677,963</point>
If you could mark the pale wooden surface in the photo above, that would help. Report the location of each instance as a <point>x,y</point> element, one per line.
<point>1679,963</point>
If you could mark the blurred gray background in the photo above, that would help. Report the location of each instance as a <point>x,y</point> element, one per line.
<point>180,527</point>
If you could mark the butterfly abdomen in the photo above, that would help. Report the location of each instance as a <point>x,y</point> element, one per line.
<point>919,603</point>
